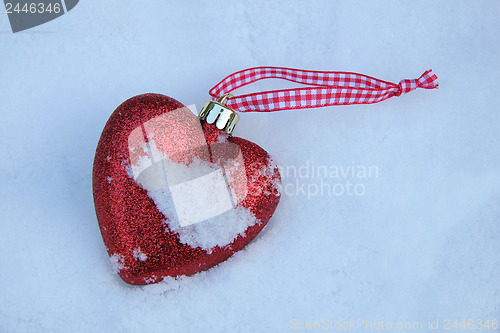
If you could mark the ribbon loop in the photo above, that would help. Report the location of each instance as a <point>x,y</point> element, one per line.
<point>322,89</point>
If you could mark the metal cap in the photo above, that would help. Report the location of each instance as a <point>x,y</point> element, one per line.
<point>224,118</point>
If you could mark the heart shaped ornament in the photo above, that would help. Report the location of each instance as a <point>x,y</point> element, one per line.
<point>176,194</point>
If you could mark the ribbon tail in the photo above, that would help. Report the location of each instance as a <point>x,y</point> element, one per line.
<point>428,80</point>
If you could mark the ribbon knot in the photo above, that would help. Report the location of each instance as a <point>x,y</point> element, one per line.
<point>428,80</point>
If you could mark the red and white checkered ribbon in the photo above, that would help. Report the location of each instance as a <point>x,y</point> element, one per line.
<point>326,88</point>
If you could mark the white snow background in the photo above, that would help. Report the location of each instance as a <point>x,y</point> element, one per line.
<point>422,243</point>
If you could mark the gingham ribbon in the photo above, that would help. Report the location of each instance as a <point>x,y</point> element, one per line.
<point>325,89</point>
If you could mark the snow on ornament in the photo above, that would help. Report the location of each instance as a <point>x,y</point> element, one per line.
<point>176,194</point>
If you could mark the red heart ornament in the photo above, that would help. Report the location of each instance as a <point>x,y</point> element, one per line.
<point>174,196</point>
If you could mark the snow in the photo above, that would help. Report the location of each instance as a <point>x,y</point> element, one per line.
<point>190,189</point>
<point>117,261</point>
<point>421,244</point>
<point>139,255</point>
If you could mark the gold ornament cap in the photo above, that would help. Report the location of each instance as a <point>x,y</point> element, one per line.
<point>218,113</point>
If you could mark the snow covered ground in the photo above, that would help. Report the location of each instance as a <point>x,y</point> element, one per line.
<point>420,244</point>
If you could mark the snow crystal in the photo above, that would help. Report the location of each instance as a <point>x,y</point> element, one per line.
<point>117,262</point>
<point>139,255</point>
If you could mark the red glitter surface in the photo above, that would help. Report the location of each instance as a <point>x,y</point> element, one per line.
<point>128,217</point>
